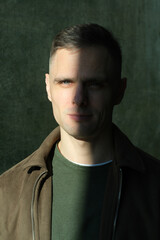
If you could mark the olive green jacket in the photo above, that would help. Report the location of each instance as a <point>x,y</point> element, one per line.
<point>131,205</point>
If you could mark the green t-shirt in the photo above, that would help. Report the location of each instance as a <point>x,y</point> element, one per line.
<point>78,193</point>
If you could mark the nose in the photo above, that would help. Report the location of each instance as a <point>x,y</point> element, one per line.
<point>80,96</point>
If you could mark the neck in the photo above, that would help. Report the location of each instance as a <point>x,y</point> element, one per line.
<point>97,150</point>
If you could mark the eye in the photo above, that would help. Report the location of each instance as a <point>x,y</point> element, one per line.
<point>65,82</point>
<point>95,84</point>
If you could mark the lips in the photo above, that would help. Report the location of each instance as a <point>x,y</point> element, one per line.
<point>80,117</point>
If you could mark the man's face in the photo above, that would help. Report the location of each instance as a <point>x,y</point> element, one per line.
<point>78,87</point>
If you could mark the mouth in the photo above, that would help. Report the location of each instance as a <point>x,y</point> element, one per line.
<point>80,117</point>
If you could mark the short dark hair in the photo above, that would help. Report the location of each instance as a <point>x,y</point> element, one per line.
<point>86,35</point>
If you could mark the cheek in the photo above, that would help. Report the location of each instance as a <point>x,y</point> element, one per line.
<point>60,99</point>
<point>101,102</point>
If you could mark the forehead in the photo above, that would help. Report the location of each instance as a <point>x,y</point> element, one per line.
<point>90,60</point>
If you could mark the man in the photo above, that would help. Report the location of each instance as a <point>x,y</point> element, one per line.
<point>86,180</point>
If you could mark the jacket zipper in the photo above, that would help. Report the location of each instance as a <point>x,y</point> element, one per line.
<point>32,203</point>
<point>118,203</point>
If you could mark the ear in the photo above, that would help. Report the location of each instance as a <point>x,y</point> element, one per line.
<point>48,88</point>
<point>121,91</point>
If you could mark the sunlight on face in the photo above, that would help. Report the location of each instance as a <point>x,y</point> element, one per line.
<point>79,89</point>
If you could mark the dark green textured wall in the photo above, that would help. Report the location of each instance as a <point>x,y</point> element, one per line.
<point>27,29</point>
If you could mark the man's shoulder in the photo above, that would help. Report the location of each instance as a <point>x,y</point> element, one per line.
<point>151,163</point>
<point>37,158</point>
<point>14,172</point>
<point>129,155</point>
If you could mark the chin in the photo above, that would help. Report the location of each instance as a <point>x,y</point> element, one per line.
<point>81,134</point>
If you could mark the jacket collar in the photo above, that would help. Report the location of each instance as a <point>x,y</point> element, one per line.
<point>126,154</point>
<point>42,156</point>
